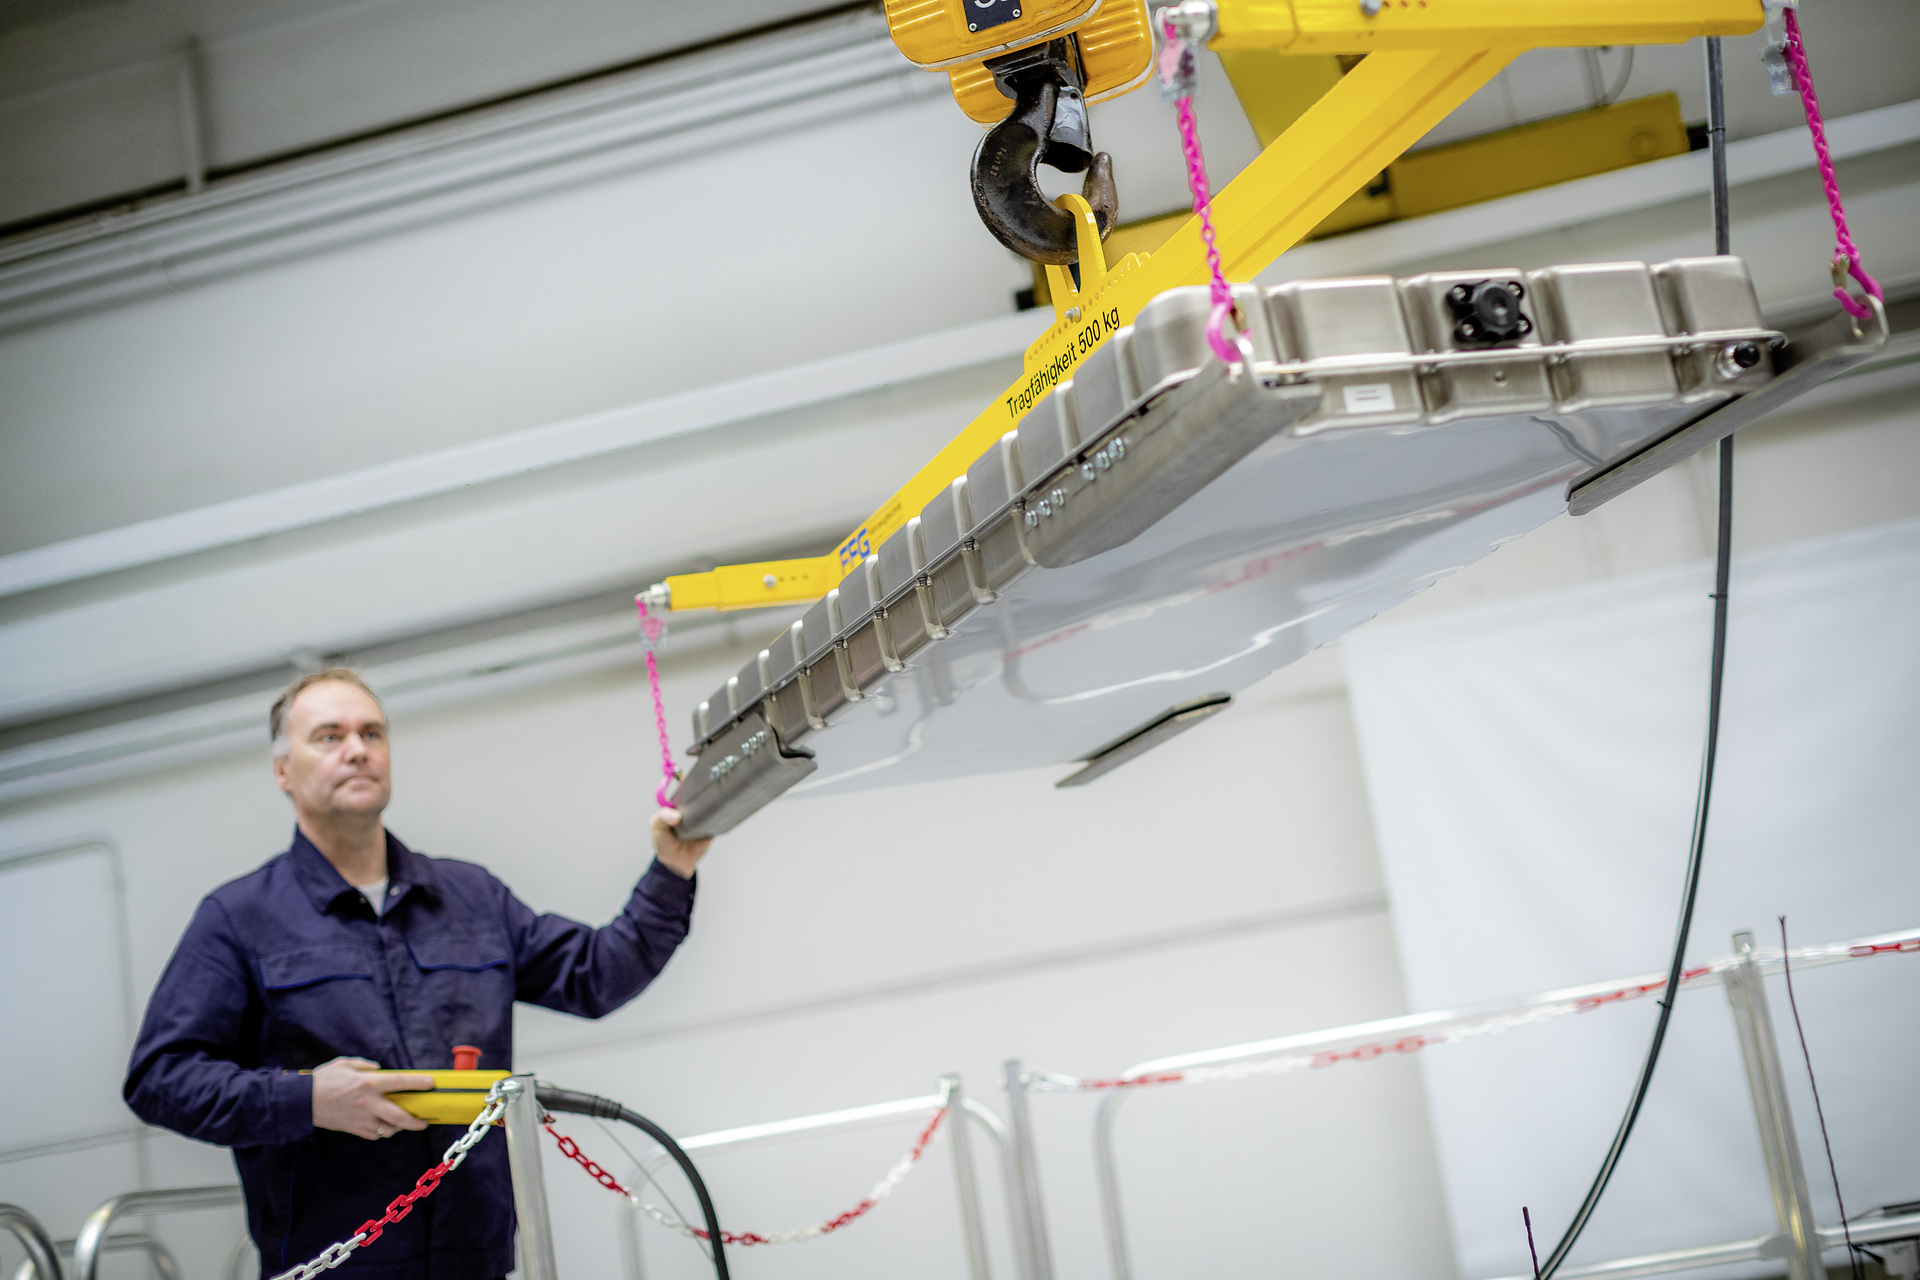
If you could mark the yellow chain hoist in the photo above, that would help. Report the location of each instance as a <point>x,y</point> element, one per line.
<point>1028,69</point>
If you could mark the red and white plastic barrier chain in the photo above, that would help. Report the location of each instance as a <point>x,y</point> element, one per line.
<point>1442,1029</point>
<point>1846,257</point>
<point>1449,1030</point>
<point>881,1190</point>
<point>369,1231</point>
<point>651,629</point>
<point>1185,28</point>
<point>335,1254</point>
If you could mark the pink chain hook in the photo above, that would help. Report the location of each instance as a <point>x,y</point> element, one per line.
<point>1846,258</point>
<point>652,629</point>
<point>1171,73</point>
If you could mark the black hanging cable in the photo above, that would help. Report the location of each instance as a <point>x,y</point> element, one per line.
<point>1692,893</point>
<point>589,1104</point>
<point>1833,1170</point>
<point>1717,147</point>
<point>1723,546</point>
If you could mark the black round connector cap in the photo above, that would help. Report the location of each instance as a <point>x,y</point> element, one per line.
<point>1746,354</point>
<point>1497,310</point>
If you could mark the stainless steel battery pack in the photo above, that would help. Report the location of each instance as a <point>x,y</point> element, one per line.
<point>1163,530</point>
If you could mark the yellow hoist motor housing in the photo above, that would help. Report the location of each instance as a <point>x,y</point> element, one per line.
<point>1114,39</point>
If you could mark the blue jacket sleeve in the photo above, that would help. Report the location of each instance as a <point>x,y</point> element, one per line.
<point>574,968</point>
<point>189,1071</point>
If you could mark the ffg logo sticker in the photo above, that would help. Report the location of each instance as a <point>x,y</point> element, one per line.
<point>982,14</point>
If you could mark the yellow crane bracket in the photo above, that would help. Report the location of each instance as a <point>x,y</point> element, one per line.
<point>754,586</point>
<point>1425,57</point>
<point>1343,26</point>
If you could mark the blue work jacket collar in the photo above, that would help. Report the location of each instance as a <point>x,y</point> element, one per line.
<point>325,886</point>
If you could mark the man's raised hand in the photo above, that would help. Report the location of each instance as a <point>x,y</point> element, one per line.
<point>349,1097</point>
<point>679,856</point>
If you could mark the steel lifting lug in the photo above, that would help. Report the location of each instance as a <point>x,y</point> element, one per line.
<point>1048,125</point>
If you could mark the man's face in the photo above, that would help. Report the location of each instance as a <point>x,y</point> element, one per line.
<point>337,763</point>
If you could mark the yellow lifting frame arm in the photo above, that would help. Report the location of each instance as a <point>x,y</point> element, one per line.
<point>1425,57</point>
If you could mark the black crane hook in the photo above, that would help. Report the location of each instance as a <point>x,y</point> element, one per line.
<point>1048,125</point>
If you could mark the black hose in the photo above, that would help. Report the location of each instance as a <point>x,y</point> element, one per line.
<point>589,1104</point>
<point>1723,550</point>
<point>1692,892</point>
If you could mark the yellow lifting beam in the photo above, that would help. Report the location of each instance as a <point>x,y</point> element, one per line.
<point>1425,57</point>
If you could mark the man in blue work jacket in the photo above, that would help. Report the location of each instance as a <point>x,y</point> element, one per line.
<point>349,952</point>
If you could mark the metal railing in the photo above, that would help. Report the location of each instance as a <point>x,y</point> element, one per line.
<point>95,1238</point>
<point>236,1263</point>
<point>1799,1242</point>
<point>42,1259</point>
<point>1778,1245</point>
<point>523,1125</point>
<point>159,1258</point>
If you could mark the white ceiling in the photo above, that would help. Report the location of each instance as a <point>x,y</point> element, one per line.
<point>93,93</point>
<point>90,90</point>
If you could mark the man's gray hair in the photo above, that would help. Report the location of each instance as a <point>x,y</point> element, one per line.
<point>277,718</point>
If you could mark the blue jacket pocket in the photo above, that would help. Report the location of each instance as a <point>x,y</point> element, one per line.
<point>286,970</point>
<point>466,952</point>
<point>323,1002</point>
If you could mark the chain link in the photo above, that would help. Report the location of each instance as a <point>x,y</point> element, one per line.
<point>651,628</point>
<point>1049,1081</point>
<point>1185,28</point>
<point>369,1231</point>
<point>1489,1024</point>
<point>571,1149</point>
<point>881,1190</point>
<point>1846,255</point>
<point>1878,948</point>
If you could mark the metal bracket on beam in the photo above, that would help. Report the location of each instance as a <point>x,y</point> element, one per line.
<point>1137,742</point>
<point>1808,359</point>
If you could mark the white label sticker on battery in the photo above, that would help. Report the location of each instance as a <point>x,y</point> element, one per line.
<point>1369,397</point>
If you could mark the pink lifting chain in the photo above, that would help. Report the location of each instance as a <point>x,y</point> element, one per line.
<point>651,628</point>
<point>1177,82</point>
<point>1846,258</point>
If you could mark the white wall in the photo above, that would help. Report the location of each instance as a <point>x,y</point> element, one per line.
<point>1532,766</point>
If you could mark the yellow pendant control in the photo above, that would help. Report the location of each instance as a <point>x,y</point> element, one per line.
<point>457,1097</point>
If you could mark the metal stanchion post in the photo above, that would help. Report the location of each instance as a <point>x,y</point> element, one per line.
<point>631,1266</point>
<point>41,1255</point>
<point>1785,1175</point>
<point>965,1184</point>
<point>1121,1268</point>
<point>997,1132</point>
<point>529,1180</point>
<point>1027,1172</point>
